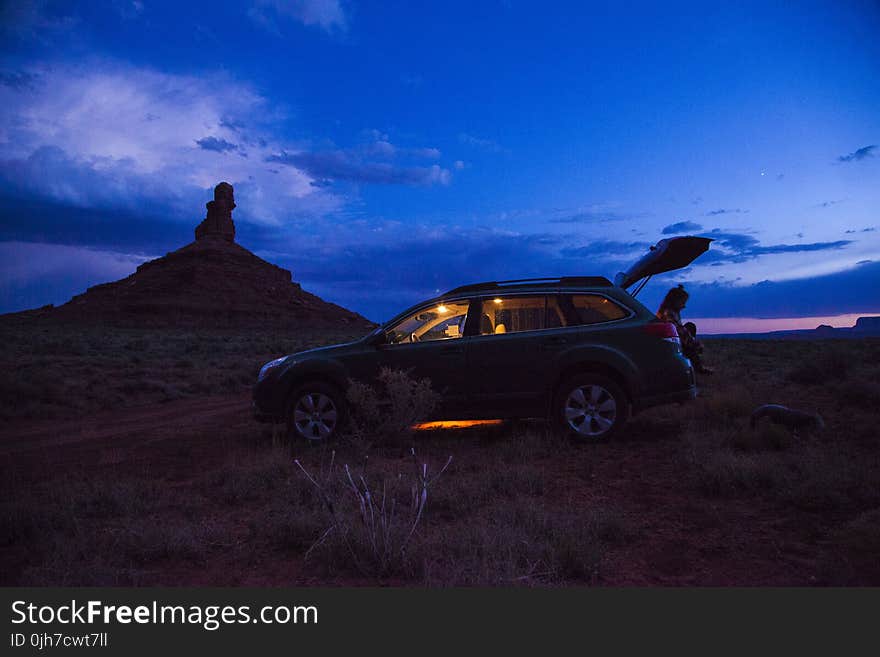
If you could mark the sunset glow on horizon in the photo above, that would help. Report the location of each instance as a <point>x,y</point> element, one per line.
<point>720,325</point>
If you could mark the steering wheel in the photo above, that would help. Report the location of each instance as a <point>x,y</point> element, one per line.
<point>413,337</point>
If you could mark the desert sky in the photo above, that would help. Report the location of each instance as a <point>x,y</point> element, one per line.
<point>385,152</point>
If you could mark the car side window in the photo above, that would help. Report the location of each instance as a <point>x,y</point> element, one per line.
<point>444,321</point>
<point>555,314</point>
<point>514,314</point>
<point>592,308</point>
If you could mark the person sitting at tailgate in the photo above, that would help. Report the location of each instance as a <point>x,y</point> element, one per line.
<point>670,311</point>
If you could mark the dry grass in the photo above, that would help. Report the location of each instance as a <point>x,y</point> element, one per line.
<point>54,371</point>
<point>518,506</point>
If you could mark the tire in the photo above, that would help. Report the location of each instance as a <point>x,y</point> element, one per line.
<point>316,412</point>
<point>590,407</point>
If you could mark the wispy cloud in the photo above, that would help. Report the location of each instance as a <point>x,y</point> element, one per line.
<point>481,143</point>
<point>371,163</point>
<point>681,227</point>
<point>328,15</point>
<point>336,165</point>
<point>859,154</point>
<point>17,79</point>
<point>715,213</point>
<point>595,213</point>
<point>36,20</point>
<point>740,247</point>
<point>412,80</point>
<point>605,250</point>
<point>828,204</point>
<point>216,144</point>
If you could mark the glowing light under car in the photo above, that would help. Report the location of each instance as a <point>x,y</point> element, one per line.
<point>455,424</point>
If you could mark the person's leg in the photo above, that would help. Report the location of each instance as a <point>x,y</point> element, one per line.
<point>694,350</point>
<point>696,358</point>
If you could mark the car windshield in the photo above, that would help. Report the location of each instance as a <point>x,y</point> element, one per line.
<point>441,322</point>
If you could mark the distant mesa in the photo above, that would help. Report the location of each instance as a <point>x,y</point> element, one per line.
<point>865,327</point>
<point>211,282</point>
<point>868,325</point>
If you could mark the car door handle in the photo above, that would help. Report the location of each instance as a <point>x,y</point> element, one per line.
<point>451,351</point>
<point>553,343</point>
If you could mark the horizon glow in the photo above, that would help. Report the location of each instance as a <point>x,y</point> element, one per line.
<point>720,325</point>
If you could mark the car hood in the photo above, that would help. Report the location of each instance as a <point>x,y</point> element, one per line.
<point>319,352</point>
<point>666,255</point>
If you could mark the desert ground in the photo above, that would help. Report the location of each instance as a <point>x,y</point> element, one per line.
<point>129,457</point>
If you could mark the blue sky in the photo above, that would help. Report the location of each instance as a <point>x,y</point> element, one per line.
<point>387,151</point>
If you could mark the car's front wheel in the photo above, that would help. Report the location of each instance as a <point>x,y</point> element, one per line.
<point>590,407</point>
<point>316,412</point>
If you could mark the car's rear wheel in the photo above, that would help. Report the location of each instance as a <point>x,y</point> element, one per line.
<point>590,407</point>
<point>316,412</point>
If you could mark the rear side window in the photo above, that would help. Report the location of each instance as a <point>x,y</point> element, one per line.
<point>592,308</point>
<point>516,314</point>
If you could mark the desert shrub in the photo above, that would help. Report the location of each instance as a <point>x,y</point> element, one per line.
<point>861,535</point>
<point>830,365</point>
<point>26,518</point>
<point>75,561</point>
<point>97,498</point>
<point>731,403</point>
<point>386,412</point>
<point>291,525</point>
<point>723,473</point>
<point>371,523</point>
<point>139,344</point>
<point>519,542</point>
<point>765,436</point>
<point>851,554</point>
<point>519,442</point>
<point>826,480</point>
<point>722,410</point>
<point>151,539</point>
<point>56,370</point>
<point>247,479</point>
<point>859,394</point>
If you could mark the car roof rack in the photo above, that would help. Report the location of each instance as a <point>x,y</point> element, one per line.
<point>563,281</point>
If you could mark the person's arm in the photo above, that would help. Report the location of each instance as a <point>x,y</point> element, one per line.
<point>687,340</point>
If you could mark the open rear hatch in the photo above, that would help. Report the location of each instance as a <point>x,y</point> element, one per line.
<point>666,255</point>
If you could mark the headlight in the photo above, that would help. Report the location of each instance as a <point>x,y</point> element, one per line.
<point>268,366</point>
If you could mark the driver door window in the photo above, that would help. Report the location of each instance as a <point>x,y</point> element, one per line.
<point>444,321</point>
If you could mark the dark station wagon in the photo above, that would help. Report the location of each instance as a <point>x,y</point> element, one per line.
<point>580,351</point>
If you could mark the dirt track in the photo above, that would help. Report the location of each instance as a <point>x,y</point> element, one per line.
<point>88,440</point>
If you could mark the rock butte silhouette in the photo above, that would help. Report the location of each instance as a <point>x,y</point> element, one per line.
<point>211,282</point>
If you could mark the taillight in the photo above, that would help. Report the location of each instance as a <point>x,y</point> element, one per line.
<point>663,331</point>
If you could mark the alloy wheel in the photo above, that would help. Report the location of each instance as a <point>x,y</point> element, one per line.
<point>315,416</point>
<point>590,410</point>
